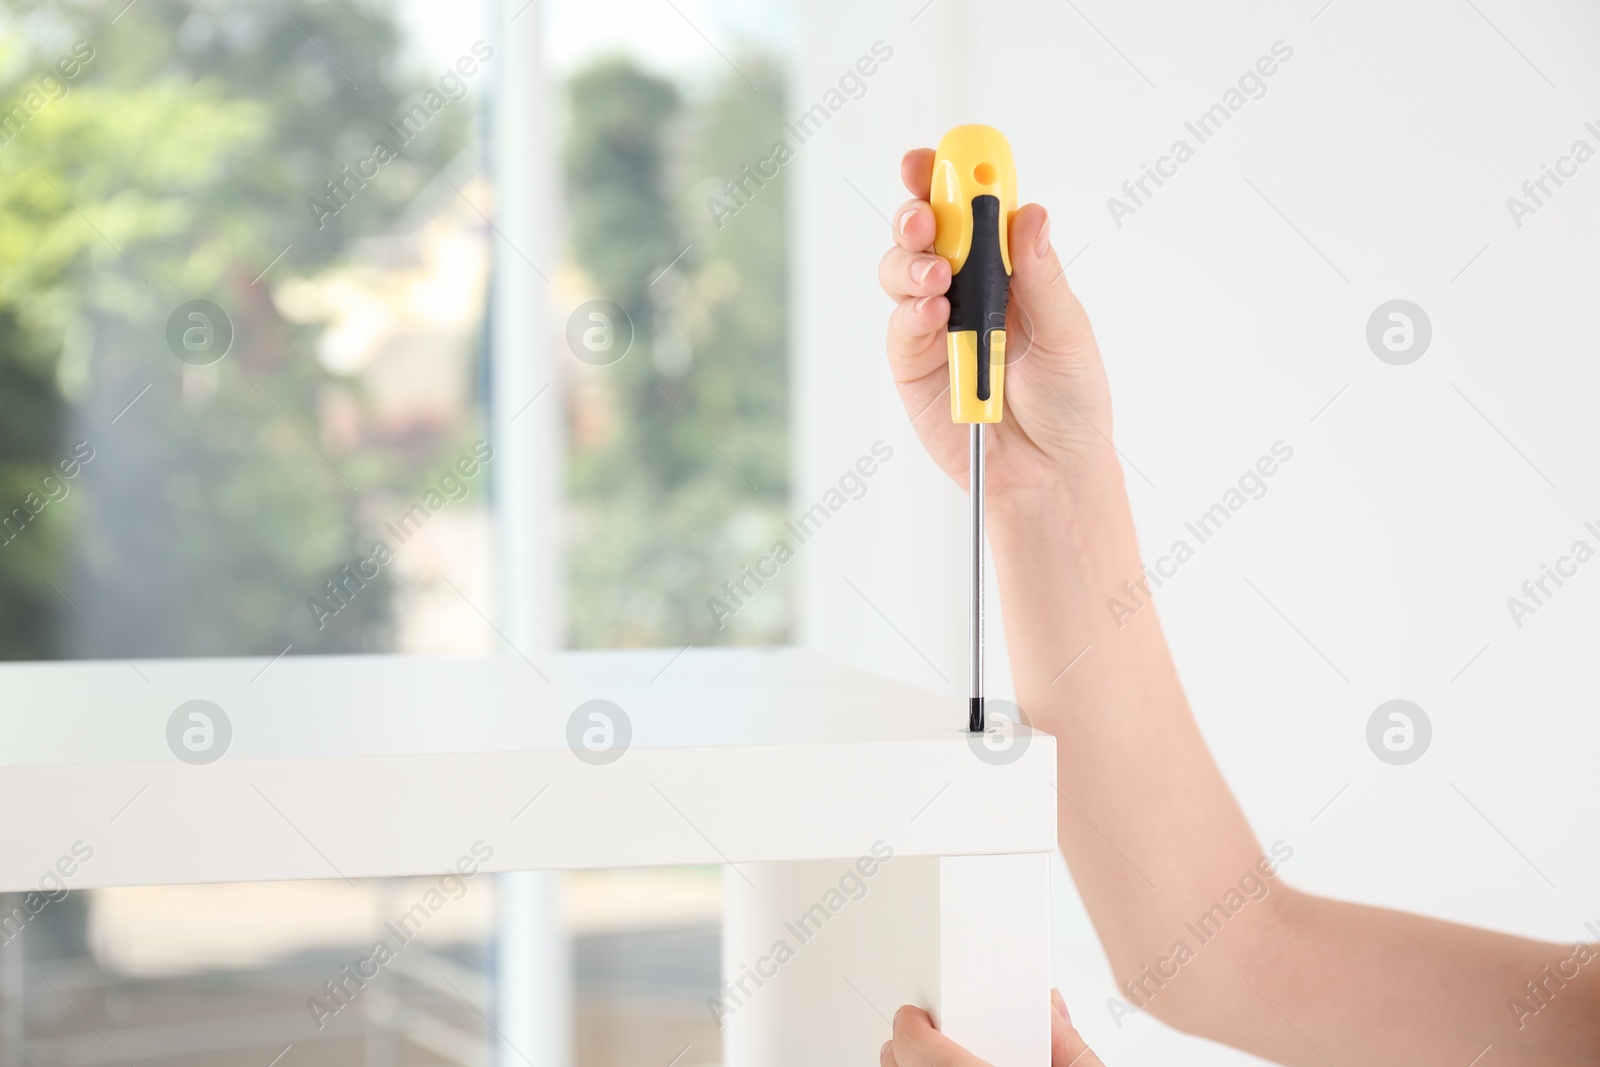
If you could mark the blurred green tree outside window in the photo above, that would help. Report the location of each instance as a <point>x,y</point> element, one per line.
<point>179,162</point>
<point>678,467</point>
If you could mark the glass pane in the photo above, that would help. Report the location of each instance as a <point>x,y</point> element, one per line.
<point>387,973</point>
<point>378,972</point>
<point>678,435</point>
<point>242,296</point>
<point>646,955</point>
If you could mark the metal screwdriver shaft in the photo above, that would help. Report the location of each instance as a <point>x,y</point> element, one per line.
<point>975,623</point>
<point>973,192</point>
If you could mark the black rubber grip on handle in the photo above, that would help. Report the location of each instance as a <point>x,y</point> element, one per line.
<point>978,291</point>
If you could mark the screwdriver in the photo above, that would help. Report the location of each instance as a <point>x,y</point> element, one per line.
<point>974,195</point>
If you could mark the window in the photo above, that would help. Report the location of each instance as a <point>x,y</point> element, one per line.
<point>248,272</point>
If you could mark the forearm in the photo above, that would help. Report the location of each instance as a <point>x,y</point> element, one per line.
<point>1147,824</point>
<point>1392,989</point>
<point>1156,843</point>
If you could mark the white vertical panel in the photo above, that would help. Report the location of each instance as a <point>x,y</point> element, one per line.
<point>872,956</point>
<point>533,995</point>
<point>994,956</point>
<point>533,973</point>
<point>965,938</point>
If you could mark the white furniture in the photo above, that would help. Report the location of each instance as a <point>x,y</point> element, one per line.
<point>859,826</point>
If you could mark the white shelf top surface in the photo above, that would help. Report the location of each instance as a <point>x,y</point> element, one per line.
<point>362,766</point>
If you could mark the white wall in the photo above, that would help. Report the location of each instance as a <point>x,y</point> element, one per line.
<point>1392,539</point>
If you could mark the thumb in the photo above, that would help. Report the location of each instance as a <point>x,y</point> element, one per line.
<point>917,1043</point>
<point>1067,1049</point>
<point>1046,312</point>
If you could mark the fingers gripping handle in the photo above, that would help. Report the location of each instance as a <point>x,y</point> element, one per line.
<point>974,195</point>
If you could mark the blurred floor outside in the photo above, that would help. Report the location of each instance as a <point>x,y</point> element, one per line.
<point>221,976</point>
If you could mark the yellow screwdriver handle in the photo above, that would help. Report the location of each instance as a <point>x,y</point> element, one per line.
<point>974,195</point>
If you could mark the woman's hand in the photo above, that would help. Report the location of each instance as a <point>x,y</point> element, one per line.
<point>917,1044</point>
<point>1057,428</point>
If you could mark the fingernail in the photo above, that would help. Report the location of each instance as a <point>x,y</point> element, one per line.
<point>920,271</point>
<point>1060,1004</point>
<point>1041,244</point>
<point>905,219</point>
<point>921,305</point>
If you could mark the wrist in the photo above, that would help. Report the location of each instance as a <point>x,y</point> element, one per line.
<point>1079,496</point>
<point>1059,555</point>
<point>1071,542</point>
